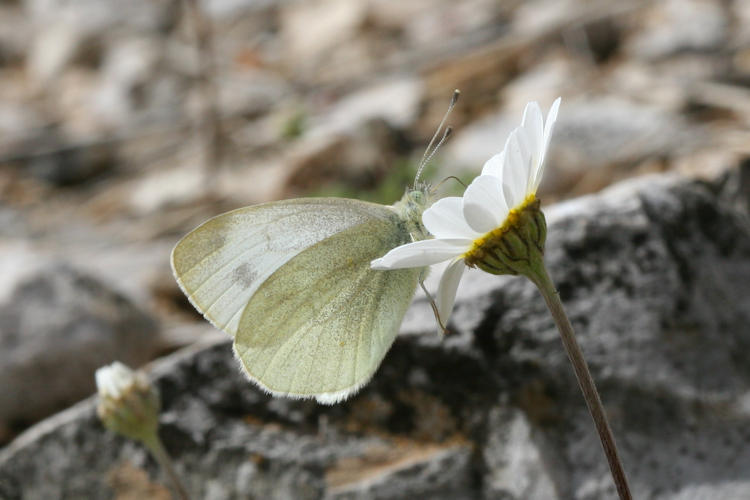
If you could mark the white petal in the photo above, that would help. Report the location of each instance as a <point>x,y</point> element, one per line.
<point>494,166</point>
<point>446,294</point>
<point>98,377</point>
<point>422,253</point>
<point>549,127</point>
<point>528,154</point>
<point>533,124</point>
<point>102,381</point>
<point>551,117</point>
<point>516,163</point>
<point>445,219</point>
<point>484,204</point>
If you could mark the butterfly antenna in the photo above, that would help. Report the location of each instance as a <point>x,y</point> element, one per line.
<point>429,152</point>
<point>448,132</point>
<point>451,177</point>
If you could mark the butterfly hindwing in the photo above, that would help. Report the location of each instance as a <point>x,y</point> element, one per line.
<point>321,324</point>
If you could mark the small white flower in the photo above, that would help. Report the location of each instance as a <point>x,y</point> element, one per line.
<point>508,182</point>
<point>115,380</point>
<point>128,404</point>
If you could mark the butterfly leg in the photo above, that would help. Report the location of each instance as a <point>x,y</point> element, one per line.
<point>443,329</point>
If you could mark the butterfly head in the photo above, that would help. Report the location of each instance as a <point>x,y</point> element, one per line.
<point>411,206</point>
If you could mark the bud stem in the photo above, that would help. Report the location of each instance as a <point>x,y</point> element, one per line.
<point>155,446</point>
<point>539,275</point>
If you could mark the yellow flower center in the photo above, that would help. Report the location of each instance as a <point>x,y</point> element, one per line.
<point>523,232</point>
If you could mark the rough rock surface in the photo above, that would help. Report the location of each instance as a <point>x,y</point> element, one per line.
<point>61,325</point>
<point>655,275</point>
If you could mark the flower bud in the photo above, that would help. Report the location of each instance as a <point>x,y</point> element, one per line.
<point>128,404</point>
<point>516,246</point>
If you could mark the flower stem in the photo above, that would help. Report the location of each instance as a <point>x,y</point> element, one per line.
<point>541,279</point>
<point>157,449</point>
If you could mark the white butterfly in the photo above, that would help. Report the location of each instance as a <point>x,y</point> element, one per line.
<point>291,282</point>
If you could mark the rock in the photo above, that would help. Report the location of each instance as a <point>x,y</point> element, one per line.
<point>741,14</point>
<point>601,39</point>
<point>53,51</point>
<point>19,259</point>
<point>544,82</point>
<point>476,143</point>
<point>99,18</point>
<point>232,9</point>
<point>529,19</point>
<point>676,26</point>
<point>54,160</point>
<point>598,138</point>
<point>94,63</point>
<point>249,93</point>
<point>57,326</point>
<point>168,187</point>
<point>14,35</point>
<point>394,101</point>
<point>356,141</point>
<point>49,154</point>
<point>17,124</point>
<point>514,459</point>
<point>310,31</point>
<point>129,74</point>
<point>442,472</point>
<point>353,159</point>
<point>655,275</point>
<point>424,23</point>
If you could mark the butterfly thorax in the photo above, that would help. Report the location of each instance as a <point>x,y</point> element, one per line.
<point>410,208</point>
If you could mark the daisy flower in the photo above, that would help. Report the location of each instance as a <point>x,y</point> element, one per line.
<point>496,218</point>
<point>498,226</point>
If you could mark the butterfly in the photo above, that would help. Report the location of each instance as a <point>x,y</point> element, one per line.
<point>290,281</point>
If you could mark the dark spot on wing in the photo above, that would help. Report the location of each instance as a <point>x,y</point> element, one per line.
<point>244,275</point>
<point>217,241</point>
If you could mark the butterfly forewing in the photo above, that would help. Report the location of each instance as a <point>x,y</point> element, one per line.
<point>221,264</point>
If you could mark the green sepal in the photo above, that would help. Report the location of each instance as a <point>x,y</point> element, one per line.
<point>515,248</point>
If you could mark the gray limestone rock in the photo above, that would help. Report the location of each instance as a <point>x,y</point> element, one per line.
<point>655,275</point>
<point>676,26</point>
<point>57,326</point>
<point>599,136</point>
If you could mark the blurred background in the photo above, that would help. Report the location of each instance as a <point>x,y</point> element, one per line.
<point>123,125</point>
